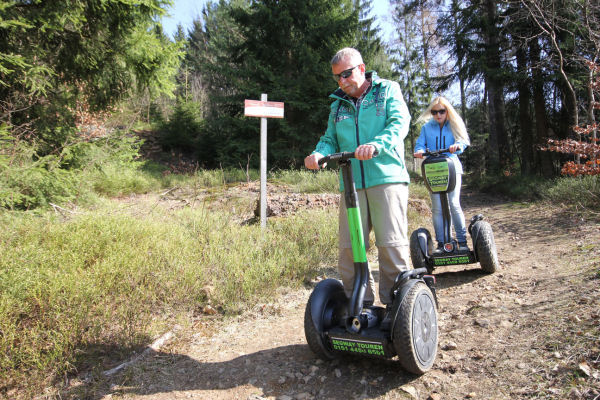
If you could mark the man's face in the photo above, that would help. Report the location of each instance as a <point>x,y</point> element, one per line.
<point>352,84</point>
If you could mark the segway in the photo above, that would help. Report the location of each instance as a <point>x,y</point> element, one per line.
<point>439,175</point>
<point>335,325</point>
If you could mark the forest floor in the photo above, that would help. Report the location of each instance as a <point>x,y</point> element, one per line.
<point>529,331</point>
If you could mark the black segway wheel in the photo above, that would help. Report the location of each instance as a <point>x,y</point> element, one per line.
<point>323,310</point>
<point>415,331</point>
<point>416,253</point>
<point>485,248</point>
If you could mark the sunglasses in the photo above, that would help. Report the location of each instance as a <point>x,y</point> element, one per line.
<point>441,112</point>
<point>344,74</point>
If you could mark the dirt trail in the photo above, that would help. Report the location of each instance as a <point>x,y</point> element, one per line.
<point>531,330</point>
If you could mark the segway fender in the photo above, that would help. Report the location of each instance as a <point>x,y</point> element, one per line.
<point>422,237</point>
<point>324,292</point>
<point>405,288</point>
<point>400,295</point>
<point>474,230</point>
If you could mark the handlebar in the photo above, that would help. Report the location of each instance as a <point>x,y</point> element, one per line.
<point>435,153</point>
<point>343,156</point>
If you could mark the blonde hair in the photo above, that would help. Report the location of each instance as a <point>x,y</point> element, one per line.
<point>457,126</point>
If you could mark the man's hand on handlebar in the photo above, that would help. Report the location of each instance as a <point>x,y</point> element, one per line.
<point>312,161</point>
<point>365,152</point>
<point>362,152</point>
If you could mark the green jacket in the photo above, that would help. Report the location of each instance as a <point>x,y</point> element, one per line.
<point>382,120</point>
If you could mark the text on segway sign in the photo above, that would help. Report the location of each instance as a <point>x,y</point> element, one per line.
<point>439,261</point>
<point>372,348</point>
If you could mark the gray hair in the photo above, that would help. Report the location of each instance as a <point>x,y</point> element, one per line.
<point>347,54</point>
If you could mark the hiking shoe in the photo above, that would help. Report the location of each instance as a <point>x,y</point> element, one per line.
<point>386,322</point>
<point>439,250</point>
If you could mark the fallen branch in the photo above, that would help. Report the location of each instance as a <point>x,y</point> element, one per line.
<point>58,209</point>
<point>169,191</point>
<point>154,347</point>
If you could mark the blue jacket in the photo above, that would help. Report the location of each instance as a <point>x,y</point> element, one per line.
<point>382,120</point>
<point>434,137</point>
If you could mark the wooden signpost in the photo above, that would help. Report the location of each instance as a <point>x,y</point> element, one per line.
<point>263,109</point>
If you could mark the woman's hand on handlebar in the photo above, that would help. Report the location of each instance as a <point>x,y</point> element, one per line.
<point>312,161</point>
<point>365,152</point>
<point>454,148</point>
<point>418,154</point>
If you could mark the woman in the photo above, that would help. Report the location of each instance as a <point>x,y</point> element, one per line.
<point>444,128</point>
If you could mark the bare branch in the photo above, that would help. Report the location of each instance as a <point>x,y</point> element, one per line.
<point>546,26</point>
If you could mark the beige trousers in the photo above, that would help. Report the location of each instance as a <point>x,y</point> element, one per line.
<point>382,209</point>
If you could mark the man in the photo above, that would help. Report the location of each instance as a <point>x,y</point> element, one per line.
<point>368,117</point>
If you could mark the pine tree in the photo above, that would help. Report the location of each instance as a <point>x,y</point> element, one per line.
<point>412,63</point>
<point>57,54</point>
<point>281,48</point>
<point>369,41</point>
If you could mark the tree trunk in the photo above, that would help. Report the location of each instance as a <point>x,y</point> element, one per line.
<point>463,97</point>
<point>495,86</point>
<point>489,156</point>
<point>539,105</point>
<point>493,154</point>
<point>591,102</point>
<point>525,127</point>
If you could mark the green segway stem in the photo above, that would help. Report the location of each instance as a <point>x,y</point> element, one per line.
<point>359,252</point>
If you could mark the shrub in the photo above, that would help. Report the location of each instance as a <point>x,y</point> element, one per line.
<point>182,130</point>
<point>26,182</point>
<point>76,291</point>
<point>517,187</point>
<point>105,165</point>
<point>580,192</point>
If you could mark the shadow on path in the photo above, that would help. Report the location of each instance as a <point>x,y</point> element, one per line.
<point>448,279</point>
<point>287,370</point>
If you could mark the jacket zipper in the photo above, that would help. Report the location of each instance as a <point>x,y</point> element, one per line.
<point>362,168</point>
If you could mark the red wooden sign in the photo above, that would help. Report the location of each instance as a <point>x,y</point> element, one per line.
<point>265,109</point>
